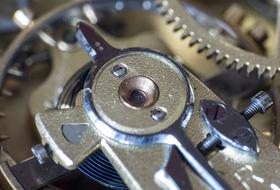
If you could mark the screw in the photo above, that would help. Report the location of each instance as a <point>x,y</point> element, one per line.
<point>40,153</point>
<point>119,71</point>
<point>158,114</point>
<point>209,143</point>
<point>260,103</point>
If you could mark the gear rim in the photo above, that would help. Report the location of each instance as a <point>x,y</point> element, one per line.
<point>213,48</point>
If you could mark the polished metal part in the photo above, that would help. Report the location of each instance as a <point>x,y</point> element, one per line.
<point>260,103</point>
<point>227,127</point>
<point>40,153</point>
<point>169,132</point>
<point>147,135</point>
<point>239,172</point>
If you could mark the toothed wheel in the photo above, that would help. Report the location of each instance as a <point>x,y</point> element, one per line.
<point>185,27</point>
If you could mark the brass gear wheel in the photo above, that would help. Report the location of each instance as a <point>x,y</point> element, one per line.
<point>184,26</point>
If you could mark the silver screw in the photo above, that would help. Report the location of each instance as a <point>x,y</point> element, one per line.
<point>260,103</point>
<point>209,143</point>
<point>119,71</point>
<point>40,153</point>
<point>158,114</point>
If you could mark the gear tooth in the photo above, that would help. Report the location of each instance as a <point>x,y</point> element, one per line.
<point>213,54</point>
<point>170,17</point>
<point>230,62</point>
<point>187,34</point>
<point>222,60</point>
<point>191,33</point>
<point>184,35</point>
<point>184,32</point>
<point>250,67</point>
<point>272,72</point>
<point>209,53</point>
<point>219,58</point>
<point>261,70</point>
<point>178,25</point>
<point>239,64</point>
<point>161,7</point>
<point>203,48</point>
<point>194,41</point>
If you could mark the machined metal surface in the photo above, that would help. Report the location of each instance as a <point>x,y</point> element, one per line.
<point>170,135</point>
<point>113,114</point>
<point>228,127</point>
<point>141,66</point>
<point>115,141</point>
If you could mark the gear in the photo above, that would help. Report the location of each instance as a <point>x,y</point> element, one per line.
<point>214,48</point>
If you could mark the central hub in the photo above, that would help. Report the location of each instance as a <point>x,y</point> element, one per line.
<point>140,92</point>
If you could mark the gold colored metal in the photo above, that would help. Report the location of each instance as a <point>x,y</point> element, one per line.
<point>138,92</point>
<point>137,165</point>
<point>171,87</point>
<point>65,64</point>
<point>188,31</point>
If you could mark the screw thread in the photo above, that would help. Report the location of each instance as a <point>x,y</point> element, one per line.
<point>251,110</point>
<point>208,144</point>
